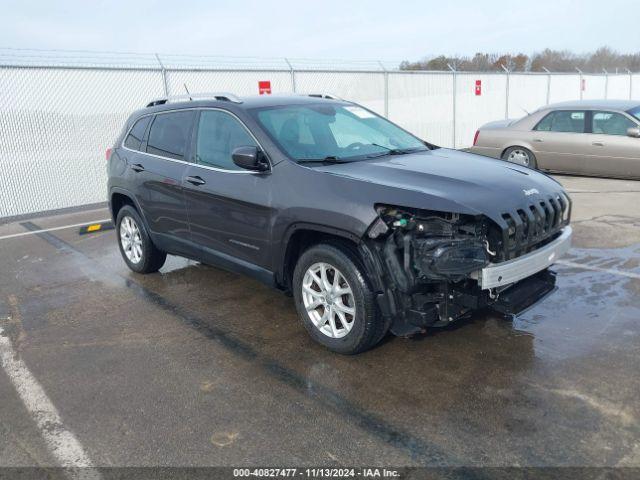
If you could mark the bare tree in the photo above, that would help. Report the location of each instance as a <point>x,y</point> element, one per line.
<point>554,60</point>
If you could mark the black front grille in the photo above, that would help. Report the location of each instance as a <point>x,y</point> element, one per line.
<point>531,226</point>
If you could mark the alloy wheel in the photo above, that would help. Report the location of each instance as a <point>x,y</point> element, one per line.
<point>131,239</point>
<point>328,300</point>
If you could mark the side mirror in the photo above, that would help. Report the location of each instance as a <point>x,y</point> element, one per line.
<point>250,158</point>
<point>633,132</point>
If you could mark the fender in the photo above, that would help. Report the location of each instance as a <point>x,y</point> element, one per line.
<point>280,256</point>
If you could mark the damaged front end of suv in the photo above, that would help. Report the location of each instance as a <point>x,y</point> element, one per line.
<point>436,267</point>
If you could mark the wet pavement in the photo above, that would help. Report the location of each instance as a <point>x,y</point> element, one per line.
<point>196,366</point>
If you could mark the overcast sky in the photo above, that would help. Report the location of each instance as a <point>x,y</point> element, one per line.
<point>342,29</point>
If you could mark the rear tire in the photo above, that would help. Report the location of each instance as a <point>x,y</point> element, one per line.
<point>520,156</point>
<point>328,283</point>
<point>136,247</point>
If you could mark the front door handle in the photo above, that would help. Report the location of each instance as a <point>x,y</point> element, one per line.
<point>598,144</point>
<point>136,167</point>
<point>195,180</point>
<point>537,140</point>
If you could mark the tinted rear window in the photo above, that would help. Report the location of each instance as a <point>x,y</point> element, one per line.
<point>169,134</point>
<point>134,139</point>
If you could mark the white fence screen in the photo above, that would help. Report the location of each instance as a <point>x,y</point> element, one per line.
<point>57,121</point>
<point>527,93</point>
<point>55,125</point>
<point>618,86</point>
<point>474,110</point>
<point>365,88</point>
<point>423,104</point>
<point>240,83</point>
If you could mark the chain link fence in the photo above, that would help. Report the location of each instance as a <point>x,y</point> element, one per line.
<point>59,113</point>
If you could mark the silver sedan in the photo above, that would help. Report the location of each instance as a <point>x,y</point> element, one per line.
<point>589,137</point>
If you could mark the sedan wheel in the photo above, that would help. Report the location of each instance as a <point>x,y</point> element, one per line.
<point>328,300</point>
<point>520,156</point>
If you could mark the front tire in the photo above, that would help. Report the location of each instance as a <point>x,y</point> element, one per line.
<point>334,301</point>
<point>136,247</point>
<point>520,156</point>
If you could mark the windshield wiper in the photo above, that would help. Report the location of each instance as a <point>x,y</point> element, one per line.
<point>393,151</point>
<point>329,159</point>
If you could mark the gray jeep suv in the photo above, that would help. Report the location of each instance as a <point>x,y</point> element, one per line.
<point>370,228</point>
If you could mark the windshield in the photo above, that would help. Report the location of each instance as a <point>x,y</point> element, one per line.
<point>334,132</point>
<point>635,112</point>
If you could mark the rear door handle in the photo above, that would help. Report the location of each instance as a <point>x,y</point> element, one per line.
<point>136,167</point>
<point>195,180</point>
<point>598,144</point>
<point>537,140</point>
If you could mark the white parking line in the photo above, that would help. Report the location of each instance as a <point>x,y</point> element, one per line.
<point>84,224</point>
<point>599,269</point>
<point>63,444</point>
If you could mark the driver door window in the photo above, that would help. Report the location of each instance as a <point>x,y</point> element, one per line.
<point>219,134</point>
<point>610,123</point>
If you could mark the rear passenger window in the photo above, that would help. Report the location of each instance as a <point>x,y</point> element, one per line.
<point>169,134</point>
<point>219,134</point>
<point>134,139</point>
<point>562,121</point>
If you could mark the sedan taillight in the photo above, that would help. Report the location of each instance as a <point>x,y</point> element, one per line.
<point>475,138</point>
<point>108,154</point>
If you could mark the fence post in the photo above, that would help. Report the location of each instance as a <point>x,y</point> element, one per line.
<point>580,72</point>
<point>548,84</point>
<point>163,72</point>
<point>386,89</point>
<point>453,76</point>
<point>506,107</point>
<point>606,83</point>
<point>293,75</point>
<point>630,84</point>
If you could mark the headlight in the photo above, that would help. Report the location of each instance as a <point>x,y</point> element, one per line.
<point>461,258</point>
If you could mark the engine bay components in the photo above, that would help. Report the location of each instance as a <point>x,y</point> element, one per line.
<point>428,258</point>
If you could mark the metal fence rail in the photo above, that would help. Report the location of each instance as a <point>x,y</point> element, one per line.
<point>58,116</point>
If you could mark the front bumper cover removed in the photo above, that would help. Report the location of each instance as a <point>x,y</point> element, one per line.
<point>512,271</point>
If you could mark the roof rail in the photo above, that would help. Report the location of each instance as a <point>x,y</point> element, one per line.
<point>328,96</point>
<point>222,96</point>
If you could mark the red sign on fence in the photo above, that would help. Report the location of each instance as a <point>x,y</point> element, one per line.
<point>264,87</point>
<point>583,85</point>
<point>478,88</point>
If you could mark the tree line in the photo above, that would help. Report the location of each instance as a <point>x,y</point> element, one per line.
<point>553,60</point>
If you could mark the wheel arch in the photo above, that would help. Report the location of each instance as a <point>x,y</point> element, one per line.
<point>299,237</point>
<point>520,144</point>
<point>118,198</point>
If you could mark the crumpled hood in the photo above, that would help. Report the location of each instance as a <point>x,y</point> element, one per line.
<point>480,184</point>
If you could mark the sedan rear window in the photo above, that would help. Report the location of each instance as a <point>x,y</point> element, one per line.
<point>562,121</point>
